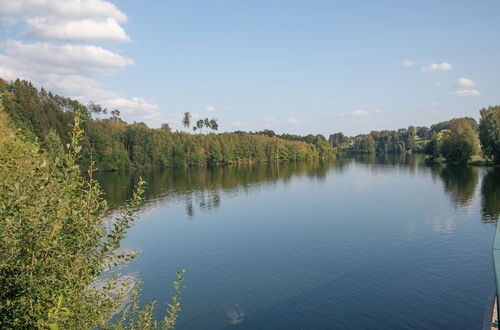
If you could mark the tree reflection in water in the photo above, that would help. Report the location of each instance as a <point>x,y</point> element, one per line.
<point>490,195</point>
<point>202,188</point>
<point>459,183</point>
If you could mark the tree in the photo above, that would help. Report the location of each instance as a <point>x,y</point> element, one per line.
<point>186,121</point>
<point>165,127</point>
<point>423,132</point>
<point>54,243</point>
<point>364,144</point>
<point>115,114</point>
<point>206,123</point>
<point>459,142</point>
<point>446,124</point>
<point>96,109</point>
<point>199,125</point>
<point>114,144</point>
<point>337,140</point>
<point>214,125</point>
<point>433,148</point>
<point>489,133</point>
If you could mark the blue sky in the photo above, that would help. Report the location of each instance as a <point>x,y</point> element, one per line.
<point>292,66</point>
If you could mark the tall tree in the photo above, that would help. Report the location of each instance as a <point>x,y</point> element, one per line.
<point>199,125</point>
<point>489,133</point>
<point>96,109</point>
<point>115,114</point>
<point>214,125</point>
<point>186,120</point>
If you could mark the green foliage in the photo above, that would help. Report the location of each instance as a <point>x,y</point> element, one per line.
<point>447,125</point>
<point>37,112</point>
<point>380,142</point>
<point>134,317</point>
<point>459,143</point>
<point>53,240</point>
<point>339,140</point>
<point>489,133</point>
<point>112,144</point>
<point>414,140</point>
<point>433,147</point>
<point>363,144</point>
<point>423,132</point>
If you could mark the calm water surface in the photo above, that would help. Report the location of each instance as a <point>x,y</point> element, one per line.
<point>352,244</point>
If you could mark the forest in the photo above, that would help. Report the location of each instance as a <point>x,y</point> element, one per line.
<point>114,144</point>
<point>455,142</point>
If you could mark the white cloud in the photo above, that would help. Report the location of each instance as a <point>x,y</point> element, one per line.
<point>67,20</point>
<point>292,120</point>
<point>238,124</point>
<point>438,85</point>
<point>87,29</point>
<point>434,104</point>
<point>71,69</point>
<point>65,59</point>
<point>134,103</point>
<point>407,63</point>
<point>14,10</point>
<point>437,67</point>
<point>466,92</point>
<point>210,108</point>
<point>360,113</point>
<point>466,82</point>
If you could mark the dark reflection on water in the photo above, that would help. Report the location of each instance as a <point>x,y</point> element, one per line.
<point>490,195</point>
<point>202,187</point>
<point>412,161</point>
<point>366,242</point>
<point>459,183</point>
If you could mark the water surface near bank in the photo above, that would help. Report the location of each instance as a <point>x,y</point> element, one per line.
<point>355,243</point>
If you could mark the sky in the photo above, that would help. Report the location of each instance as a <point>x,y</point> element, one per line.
<point>292,66</point>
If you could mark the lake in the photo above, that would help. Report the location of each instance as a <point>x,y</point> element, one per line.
<point>379,243</point>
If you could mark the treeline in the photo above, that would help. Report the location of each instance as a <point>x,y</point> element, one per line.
<point>455,141</point>
<point>114,144</point>
<point>319,141</point>
<point>393,142</point>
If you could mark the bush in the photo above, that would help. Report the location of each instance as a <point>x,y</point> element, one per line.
<point>54,245</point>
